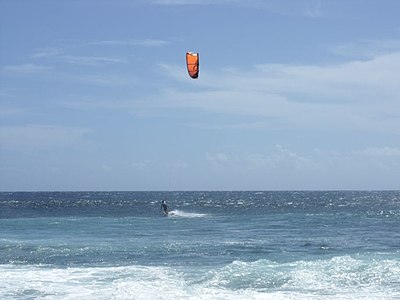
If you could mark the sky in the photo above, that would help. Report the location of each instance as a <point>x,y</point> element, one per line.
<point>291,95</point>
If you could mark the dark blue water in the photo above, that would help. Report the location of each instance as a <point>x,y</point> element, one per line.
<point>244,245</point>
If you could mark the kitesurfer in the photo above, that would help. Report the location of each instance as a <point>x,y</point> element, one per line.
<point>164,207</point>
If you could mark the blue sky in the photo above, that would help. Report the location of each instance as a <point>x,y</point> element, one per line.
<point>292,95</point>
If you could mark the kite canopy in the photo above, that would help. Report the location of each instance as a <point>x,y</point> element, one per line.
<point>192,62</point>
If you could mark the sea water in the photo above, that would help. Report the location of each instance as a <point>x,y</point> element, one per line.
<point>214,245</point>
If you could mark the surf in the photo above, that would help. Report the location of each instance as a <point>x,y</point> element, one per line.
<point>184,214</point>
<point>344,277</point>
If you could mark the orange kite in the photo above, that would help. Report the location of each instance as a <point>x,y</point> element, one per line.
<point>192,62</point>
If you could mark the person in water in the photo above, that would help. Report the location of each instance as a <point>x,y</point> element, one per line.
<point>164,207</point>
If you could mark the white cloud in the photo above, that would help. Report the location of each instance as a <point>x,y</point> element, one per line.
<point>313,12</point>
<point>6,111</point>
<point>279,158</point>
<point>91,60</point>
<point>62,51</point>
<point>47,52</point>
<point>59,56</point>
<point>108,80</point>
<point>142,164</point>
<point>281,166</point>
<point>379,158</point>
<point>217,158</point>
<point>307,8</point>
<point>367,49</point>
<point>380,152</point>
<point>362,95</point>
<point>180,164</point>
<point>39,137</point>
<point>131,42</point>
<point>65,54</point>
<point>192,2</point>
<point>228,126</point>
<point>26,68</point>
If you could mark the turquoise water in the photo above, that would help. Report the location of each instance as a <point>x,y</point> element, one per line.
<point>216,245</point>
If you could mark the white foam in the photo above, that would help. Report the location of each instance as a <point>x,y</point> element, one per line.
<point>337,278</point>
<point>183,214</point>
<point>133,282</point>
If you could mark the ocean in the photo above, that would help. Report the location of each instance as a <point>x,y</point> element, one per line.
<point>216,245</point>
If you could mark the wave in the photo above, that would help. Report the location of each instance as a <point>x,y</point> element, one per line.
<point>184,214</point>
<point>330,276</point>
<point>343,277</point>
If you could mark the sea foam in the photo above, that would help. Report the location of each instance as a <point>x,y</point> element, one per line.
<point>336,278</point>
<point>184,214</point>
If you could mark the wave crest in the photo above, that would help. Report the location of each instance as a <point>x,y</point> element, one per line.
<point>184,214</point>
